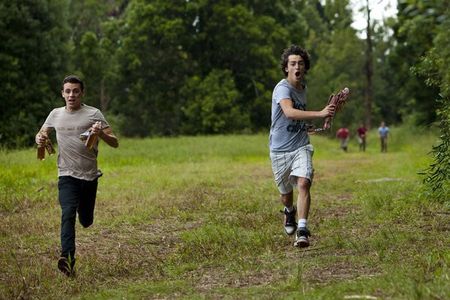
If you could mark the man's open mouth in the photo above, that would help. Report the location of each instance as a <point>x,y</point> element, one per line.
<point>297,74</point>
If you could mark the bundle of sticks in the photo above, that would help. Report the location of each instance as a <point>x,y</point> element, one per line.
<point>338,101</point>
<point>47,146</point>
<point>89,138</point>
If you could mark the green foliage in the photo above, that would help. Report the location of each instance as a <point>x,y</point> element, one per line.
<point>389,104</point>
<point>434,64</point>
<point>414,31</point>
<point>93,37</point>
<point>164,45</point>
<point>438,174</point>
<point>33,57</point>
<point>142,59</point>
<point>339,62</point>
<point>92,63</point>
<point>153,64</point>
<point>211,105</point>
<point>232,37</point>
<point>434,67</point>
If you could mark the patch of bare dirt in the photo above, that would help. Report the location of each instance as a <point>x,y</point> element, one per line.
<point>132,251</point>
<point>339,271</point>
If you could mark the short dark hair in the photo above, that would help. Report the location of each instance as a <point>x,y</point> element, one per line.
<point>294,50</point>
<point>73,79</point>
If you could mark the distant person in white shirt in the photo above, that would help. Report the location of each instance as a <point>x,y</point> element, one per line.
<point>383,132</point>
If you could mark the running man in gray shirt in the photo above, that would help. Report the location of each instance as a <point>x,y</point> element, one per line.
<point>290,149</point>
<point>77,164</point>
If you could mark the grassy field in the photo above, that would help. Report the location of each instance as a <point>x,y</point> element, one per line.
<point>198,218</point>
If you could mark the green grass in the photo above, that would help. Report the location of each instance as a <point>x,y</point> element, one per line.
<point>198,218</point>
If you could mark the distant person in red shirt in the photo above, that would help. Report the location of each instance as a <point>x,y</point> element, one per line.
<point>362,131</point>
<point>344,135</point>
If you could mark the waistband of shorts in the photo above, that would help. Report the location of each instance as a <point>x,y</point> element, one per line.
<point>300,148</point>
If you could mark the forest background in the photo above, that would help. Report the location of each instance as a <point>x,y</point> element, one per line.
<point>196,67</point>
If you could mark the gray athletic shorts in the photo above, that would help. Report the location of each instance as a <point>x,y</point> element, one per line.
<point>288,166</point>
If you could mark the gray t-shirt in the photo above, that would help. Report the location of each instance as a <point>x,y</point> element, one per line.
<point>287,135</point>
<point>74,158</point>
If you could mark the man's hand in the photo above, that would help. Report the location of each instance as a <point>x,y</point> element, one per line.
<point>338,101</point>
<point>41,139</point>
<point>96,128</point>
<point>328,111</point>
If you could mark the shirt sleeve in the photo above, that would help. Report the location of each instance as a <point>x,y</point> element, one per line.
<point>281,92</point>
<point>50,121</point>
<point>99,117</point>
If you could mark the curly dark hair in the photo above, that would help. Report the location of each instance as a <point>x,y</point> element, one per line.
<point>294,50</point>
<point>73,79</point>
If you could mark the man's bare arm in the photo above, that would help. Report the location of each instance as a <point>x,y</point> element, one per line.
<point>296,114</point>
<point>108,136</point>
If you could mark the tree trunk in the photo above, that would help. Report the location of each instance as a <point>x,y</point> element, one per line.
<point>368,95</point>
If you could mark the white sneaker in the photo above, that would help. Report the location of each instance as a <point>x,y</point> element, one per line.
<point>301,239</point>
<point>290,225</point>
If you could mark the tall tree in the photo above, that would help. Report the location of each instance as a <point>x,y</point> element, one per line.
<point>153,64</point>
<point>92,46</point>
<point>33,60</point>
<point>414,32</point>
<point>368,94</point>
<point>211,105</point>
<point>387,103</point>
<point>165,45</point>
<point>337,61</point>
<point>246,39</point>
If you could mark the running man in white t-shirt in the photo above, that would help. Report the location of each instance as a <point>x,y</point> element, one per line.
<point>290,150</point>
<point>77,164</point>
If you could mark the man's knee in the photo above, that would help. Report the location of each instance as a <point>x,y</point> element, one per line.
<point>286,196</point>
<point>86,222</point>
<point>69,214</point>
<point>303,183</point>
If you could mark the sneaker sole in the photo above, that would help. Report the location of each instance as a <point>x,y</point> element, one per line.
<point>301,244</point>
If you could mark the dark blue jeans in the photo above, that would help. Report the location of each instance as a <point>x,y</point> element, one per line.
<point>75,195</point>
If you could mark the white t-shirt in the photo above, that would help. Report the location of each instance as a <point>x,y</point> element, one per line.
<point>74,158</point>
<point>287,135</point>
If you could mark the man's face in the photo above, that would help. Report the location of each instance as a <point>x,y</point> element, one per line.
<point>72,94</point>
<point>295,68</point>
